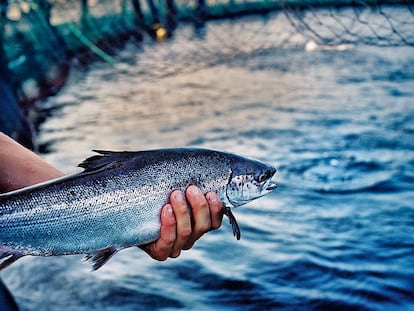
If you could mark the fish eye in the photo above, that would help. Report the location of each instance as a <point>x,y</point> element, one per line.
<point>261,177</point>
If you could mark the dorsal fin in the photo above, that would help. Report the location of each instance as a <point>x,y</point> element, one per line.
<point>105,159</point>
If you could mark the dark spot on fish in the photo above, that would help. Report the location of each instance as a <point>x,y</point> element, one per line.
<point>72,192</point>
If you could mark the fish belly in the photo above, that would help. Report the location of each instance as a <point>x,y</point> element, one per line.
<point>81,227</point>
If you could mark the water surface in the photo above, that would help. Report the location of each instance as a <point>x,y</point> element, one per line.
<point>337,234</point>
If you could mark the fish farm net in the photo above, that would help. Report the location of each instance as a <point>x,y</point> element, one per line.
<point>33,32</point>
<point>40,40</point>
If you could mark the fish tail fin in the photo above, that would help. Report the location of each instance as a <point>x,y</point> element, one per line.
<point>100,257</point>
<point>7,257</point>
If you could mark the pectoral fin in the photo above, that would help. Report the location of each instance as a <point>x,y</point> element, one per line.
<point>233,222</point>
<point>7,257</point>
<point>101,257</point>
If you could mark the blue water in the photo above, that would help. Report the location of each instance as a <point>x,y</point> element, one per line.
<point>338,122</point>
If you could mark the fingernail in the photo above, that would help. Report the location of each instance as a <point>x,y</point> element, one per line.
<point>212,197</point>
<point>178,196</point>
<point>193,190</point>
<point>168,216</point>
<point>169,210</point>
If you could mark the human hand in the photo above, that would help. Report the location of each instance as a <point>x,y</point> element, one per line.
<point>179,230</point>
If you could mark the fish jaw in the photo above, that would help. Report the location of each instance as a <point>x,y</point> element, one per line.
<point>268,187</point>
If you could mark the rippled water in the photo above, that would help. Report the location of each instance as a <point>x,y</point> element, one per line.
<point>337,234</point>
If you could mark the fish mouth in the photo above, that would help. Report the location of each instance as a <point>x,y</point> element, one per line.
<point>271,186</point>
<point>268,186</point>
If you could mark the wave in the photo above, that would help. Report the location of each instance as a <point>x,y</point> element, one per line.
<point>340,174</point>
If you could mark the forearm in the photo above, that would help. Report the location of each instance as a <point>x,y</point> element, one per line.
<point>20,167</point>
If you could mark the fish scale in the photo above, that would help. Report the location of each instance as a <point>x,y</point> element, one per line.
<point>116,201</point>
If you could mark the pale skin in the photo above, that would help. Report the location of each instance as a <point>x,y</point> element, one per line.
<point>20,167</point>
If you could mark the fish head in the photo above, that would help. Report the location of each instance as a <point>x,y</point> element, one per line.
<point>249,180</point>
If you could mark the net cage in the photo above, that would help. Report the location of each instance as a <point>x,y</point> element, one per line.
<point>40,38</point>
<point>33,33</point>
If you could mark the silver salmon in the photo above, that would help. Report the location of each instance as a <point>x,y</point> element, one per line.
<point>115,202</point>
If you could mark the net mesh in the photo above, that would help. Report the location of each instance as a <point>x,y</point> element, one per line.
<point>359,22</point>
<point>41,39</point>
<point>38,39</point>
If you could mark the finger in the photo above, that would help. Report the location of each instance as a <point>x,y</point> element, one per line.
<point>216,209</point>
<point>201,214</point>
<point>161,249</point>
<point>182,216</point>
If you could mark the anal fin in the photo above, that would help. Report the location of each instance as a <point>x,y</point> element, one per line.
<point>233,222</point>
<point>101,257</point>
<point>7,257</point>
